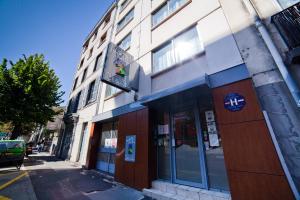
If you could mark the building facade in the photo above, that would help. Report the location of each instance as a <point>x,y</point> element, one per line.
<point>214,106</point>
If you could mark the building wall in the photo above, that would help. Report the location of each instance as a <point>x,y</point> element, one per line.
<point>220,50</point>
<point>271,89</point>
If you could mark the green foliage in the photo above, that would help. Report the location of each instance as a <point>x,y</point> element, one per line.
<point>29,90</point>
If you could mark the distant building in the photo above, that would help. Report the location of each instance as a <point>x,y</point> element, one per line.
<point>201,93</point>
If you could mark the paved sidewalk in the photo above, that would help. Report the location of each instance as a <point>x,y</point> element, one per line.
<point>55,179</point>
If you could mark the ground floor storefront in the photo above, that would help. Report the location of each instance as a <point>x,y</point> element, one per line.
<point>212,138</point>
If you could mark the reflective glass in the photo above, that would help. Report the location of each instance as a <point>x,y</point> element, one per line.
<point>187,44</point>
<point>160,15</point>
<point>163,58</point>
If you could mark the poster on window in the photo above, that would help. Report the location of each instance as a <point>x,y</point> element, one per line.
<point>130,146</point>
<point>211,126</point>
<point>107,143</point>
<point>213,140</point>
<point>209,115</point>
<point>163,129</point>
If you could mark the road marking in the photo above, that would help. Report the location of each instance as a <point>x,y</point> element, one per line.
<point>9,173</point>
<point>12,181</point>
<point>4,198</point>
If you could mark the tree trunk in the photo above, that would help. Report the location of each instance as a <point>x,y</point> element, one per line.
<point>17,131</point>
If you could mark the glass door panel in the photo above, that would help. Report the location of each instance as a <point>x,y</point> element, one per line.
<point>185,147</point>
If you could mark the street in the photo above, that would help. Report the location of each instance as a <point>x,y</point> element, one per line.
<point>44,177</point>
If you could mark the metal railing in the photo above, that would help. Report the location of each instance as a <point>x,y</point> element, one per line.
<point>288,24</point>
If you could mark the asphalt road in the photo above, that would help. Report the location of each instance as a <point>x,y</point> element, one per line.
<point>44,177</point>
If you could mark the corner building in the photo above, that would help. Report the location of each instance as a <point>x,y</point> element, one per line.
<point>195,126</point>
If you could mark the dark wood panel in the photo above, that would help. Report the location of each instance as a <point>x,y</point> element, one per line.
<point>248,147</point>
<point>250,112</point>
<point>134,174</point>
<point>252,186</point>
<point>95,135</point>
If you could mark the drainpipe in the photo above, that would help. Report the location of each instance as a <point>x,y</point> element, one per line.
<point>293,87</point>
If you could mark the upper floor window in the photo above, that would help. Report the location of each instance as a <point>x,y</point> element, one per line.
<point>91,53</point>
<point>75,83</point>
<point>165,10</point>
<point>124,4</point>
<point>84,74</point>
<point>287,3</point>
<point>81,63</point>
<point>107,19</point>
<point>91,95</point>
<point>125,43</point>
<point>95,35</point>
<point>125,20</point>
<point>103,38</point>
<point>84,48</point>
<point>179,49</point>
<point>98,63</point>
<point>111,90</point>
<point>76,102</point>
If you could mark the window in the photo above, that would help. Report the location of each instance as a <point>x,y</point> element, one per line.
<point>91,52</point>
<point>85,46</point>
<point>177,50</point>
<point>167,9</point>
<point>111,90</point>
<point>84,74</point>
<point>98,63</point>
<point>107,19</point>
<point>95,35</point>
<point>76,103</point>
<point>287,3</point>
<point>75,83</point>
<point>103,38</point>
<point>81,63</point>
<point>124,4</point>
<point>125,43</point>
<point>91,95</point>
<point>126,19</point>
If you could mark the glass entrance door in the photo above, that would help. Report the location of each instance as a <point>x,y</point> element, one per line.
<point>187,149</point>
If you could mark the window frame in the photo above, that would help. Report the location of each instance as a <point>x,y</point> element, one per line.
<point>171,41</point>
<point>89,97</point>
<point>169,14</point>
<point>111,95</point>
<point>128,35</point>
<point>100,56</point>
<point>118,28</point>
<point>75,83</point>
<point>91,52</point>
<point>84,74</point>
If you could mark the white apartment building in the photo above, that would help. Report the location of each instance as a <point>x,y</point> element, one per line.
<point>201,123</point>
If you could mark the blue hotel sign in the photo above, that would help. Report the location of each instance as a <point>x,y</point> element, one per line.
<point>234,102</point>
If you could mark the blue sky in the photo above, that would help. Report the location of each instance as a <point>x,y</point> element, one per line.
<point>55,28</point>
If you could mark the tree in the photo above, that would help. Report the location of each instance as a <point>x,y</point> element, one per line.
<point>29,90</point>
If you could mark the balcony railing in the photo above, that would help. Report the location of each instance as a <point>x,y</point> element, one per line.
<point>288,24</point>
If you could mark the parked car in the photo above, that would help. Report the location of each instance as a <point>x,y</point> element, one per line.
<point>12,152</point>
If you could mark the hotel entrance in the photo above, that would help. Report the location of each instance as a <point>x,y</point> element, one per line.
<point>189,146</point>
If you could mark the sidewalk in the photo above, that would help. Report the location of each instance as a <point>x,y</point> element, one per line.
<point>55,179</point>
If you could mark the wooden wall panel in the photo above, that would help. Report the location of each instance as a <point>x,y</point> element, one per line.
<point>250,148</point>
<point>252,164</point>
<point>95,133</point>
<point>134,174</point>
<point>250,112</point>
<point>259,186</point>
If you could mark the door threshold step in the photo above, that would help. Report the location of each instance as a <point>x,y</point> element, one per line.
<point>167,191</point>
